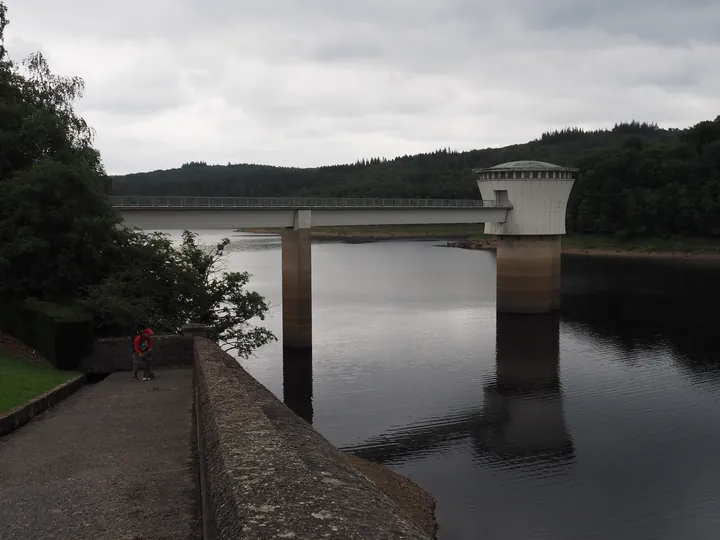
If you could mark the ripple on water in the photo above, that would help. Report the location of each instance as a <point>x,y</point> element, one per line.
<point>603,424</point>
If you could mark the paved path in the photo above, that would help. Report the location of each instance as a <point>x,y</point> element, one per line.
<point>113,461</point>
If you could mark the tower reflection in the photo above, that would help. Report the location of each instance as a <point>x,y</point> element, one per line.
<point>523,413</point>
<point>521,421</point>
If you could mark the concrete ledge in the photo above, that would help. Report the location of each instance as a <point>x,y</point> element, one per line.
<point>265,473</point>
<point>115,354</point>
<point>20,416</point>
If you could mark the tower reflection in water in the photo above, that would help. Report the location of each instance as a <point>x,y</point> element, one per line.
<point>298,382</point>
<point>523,417</point>
<point>521,421</point>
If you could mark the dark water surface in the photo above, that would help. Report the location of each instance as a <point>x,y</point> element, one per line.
<point>603,422</point>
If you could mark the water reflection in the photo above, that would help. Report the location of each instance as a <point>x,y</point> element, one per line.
<point>521,421</point>
<point>523,410</point>
<point>249,242</point>
<point>641,305</point>
<point>617,438</point>
<point>298,382</point>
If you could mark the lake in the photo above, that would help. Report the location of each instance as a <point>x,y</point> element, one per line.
<point>602,422</point>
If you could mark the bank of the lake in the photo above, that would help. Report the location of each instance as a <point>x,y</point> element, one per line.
<point>638,248</point>
<point>416,503</point>
<point>384,232</point>
<point>471,236</point>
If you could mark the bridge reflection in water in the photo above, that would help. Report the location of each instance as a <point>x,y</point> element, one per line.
<point>521,419</point>
<point>298,382</point>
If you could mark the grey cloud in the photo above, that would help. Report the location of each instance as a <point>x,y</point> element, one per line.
<point>19,49</point>
<point>342,51</point>
<point>658,21</point>
<point>137,93</point>
<point>313,82</point>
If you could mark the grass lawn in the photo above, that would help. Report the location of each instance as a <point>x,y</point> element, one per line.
<point>20,381</point>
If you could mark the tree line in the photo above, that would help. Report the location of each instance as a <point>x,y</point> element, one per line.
<point>635,178</point>
<point>645,187</point>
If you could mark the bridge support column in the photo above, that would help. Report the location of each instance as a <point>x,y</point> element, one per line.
<point>297,283</point>
<point>528,274</point>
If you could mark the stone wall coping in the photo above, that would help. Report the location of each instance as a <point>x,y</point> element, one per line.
<point>21,415</point>
<point>266,473</point>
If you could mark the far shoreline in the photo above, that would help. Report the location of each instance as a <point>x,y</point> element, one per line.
<point>630,254</point>
<point>471,237</point>
<point>676,255</point>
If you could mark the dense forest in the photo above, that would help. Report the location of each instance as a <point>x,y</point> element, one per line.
<point>635,179</point>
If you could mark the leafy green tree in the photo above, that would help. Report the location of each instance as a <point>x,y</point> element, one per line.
<point>57,229</point>
<point>61,241</point>
<point>167,287</point>
<point>57,233</point>
<point>219,299</point>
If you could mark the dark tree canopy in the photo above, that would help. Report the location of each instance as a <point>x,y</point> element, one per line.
<point>61,241</point>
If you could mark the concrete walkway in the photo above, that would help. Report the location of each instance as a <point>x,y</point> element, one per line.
<point>113,461</point>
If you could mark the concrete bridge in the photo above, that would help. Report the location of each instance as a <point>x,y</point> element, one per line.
<point>523,203</point>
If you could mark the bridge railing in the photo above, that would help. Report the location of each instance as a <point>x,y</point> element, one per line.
<point>295,202</point>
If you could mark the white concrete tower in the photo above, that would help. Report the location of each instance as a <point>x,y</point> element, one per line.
<point>529,242</point>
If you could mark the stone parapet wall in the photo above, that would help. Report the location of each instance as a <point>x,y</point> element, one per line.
<point>115,354</point>
<point>266,473</point>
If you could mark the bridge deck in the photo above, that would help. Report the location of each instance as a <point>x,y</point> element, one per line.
<point>296,203</point>
<point>195,213</point>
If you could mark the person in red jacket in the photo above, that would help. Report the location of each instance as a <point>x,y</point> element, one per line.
<point>142,352</point>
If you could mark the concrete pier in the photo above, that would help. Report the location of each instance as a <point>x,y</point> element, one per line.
<point>529,241</point>
<point>557,272</point>
<point>297,283</point>
<point>528,274</point>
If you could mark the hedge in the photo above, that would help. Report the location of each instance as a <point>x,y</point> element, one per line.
<point>61,333</point>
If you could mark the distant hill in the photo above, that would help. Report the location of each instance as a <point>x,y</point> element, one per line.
<point>635,178</point>
<point>440,174</point>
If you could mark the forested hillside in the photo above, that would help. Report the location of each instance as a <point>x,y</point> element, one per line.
<point>636,179</point>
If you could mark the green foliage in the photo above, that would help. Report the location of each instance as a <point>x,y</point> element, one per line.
<point>61,241</point>
<point>218,299</point>
<point>61,333</point>
<point>441,174</point>
<point>64,334</point>
<point>168,287</point>
<point>57,231</point>
<point>651,188</point>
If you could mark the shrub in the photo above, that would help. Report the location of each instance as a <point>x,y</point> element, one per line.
<point>61,333</point>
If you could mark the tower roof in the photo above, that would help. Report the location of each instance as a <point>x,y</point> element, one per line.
<point>526,165</point>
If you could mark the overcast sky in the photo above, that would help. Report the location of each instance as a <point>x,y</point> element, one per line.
<point>313,82</point>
